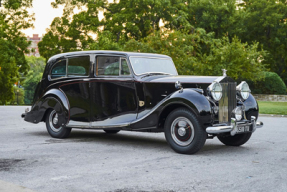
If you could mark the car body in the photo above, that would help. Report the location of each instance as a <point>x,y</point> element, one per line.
<point>115,91</point>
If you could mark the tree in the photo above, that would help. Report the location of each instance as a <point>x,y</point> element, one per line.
<point>217,16</point>
<point>18,96</point>
<point>71,32</point>
<point>265,22</point>
<point>123,20</point>
<point>37,65</point>
<point>136,19</point>
<point>13,44</point>
<point>242,61</point>
<point>199,53</point>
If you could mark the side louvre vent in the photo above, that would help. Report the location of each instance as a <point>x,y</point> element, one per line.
<point>228,101</point>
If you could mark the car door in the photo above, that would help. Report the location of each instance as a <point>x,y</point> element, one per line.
<point>113,98</point>
<point>77,90</point>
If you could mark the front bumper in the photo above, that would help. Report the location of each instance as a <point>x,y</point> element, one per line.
<point>236,127</point>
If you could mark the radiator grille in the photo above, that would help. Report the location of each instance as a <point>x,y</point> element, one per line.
<point>228,101</point>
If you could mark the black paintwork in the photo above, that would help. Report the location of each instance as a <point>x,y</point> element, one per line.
<point>114,101</point>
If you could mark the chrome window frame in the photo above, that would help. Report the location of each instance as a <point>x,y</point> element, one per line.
<point>67,63</point>
<point>111,76</point>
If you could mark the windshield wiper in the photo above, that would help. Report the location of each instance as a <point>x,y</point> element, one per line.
<point>157,73</point>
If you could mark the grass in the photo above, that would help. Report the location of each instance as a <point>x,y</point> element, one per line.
<point>276,108</point>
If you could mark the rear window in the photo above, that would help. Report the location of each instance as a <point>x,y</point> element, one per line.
<point>59,69</point>
<point>77,67</point>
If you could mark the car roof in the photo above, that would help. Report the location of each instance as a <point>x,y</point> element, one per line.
<point>128,54</point>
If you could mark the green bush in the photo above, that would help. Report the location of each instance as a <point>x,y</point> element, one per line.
<point>270,84</point>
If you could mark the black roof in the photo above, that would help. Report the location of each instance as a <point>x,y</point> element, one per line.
<point>128,54</point>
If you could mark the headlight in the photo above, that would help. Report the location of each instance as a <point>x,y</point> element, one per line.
<point>215,90</point>
<point>243,90</point>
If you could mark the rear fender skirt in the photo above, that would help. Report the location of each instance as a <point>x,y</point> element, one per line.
<point>251,107</point>
<point>52,99</point>
<point>188,98</point>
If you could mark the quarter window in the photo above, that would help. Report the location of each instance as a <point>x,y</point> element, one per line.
<point>78,66</point>
<point>59,69</point>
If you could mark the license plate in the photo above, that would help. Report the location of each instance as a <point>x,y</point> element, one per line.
<point>242,129</point>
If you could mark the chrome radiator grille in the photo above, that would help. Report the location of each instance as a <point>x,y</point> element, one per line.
<point>228,101</point>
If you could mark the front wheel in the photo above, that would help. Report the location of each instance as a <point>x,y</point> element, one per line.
<point>235,140</point>
<point>183,132</point>
<point>53,128</point>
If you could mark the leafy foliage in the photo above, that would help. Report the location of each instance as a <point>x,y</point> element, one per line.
<point>241,60</point>
<point>271,84</point>
<point>200,54</point>
<point>265,22</point>
<point>202,36</point>
<point>13,18</point>
<point>37,65</point>
<point>18,96</point>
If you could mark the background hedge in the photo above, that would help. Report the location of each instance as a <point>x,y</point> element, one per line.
<point>270,84</point>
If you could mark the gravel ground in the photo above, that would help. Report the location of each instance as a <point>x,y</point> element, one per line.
<point>92,160</point>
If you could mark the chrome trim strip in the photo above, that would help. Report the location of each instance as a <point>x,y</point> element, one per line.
<point>98,127</point>
<point>150,112</point>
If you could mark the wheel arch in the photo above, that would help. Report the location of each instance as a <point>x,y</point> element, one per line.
<point>171,107</point>
<point>52,99</point>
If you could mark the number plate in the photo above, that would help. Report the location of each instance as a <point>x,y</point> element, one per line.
<point>243,128</point>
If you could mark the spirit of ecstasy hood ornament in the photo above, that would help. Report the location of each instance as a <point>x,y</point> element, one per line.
<point>224,72</point>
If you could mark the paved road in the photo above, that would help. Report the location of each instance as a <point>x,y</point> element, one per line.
<point>130,161</point>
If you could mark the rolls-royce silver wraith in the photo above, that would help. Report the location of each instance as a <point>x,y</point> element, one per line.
<point>116,91</point>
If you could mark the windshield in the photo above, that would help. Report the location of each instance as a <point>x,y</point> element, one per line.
<point>143,65</point>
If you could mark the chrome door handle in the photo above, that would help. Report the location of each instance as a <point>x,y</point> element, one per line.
<point>86,79</point>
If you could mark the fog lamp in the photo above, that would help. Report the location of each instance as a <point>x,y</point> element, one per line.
<point>238,113</point>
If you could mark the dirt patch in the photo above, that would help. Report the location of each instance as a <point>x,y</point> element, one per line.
<point>8,164</point>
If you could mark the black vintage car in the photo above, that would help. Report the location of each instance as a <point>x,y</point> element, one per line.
<point>116,91</point>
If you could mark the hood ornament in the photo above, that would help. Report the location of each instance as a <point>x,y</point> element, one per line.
<point>224,72</point>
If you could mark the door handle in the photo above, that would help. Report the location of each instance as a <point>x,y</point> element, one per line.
<point>86,79</point>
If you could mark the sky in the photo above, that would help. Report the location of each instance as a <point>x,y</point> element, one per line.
<point>44,15</point>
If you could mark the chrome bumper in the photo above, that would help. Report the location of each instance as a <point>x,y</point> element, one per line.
<point>233,128</point>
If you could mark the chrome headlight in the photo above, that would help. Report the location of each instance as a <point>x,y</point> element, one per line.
<point>215,90</point>
<point>243,90</point>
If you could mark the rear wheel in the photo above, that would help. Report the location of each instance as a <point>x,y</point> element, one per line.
<point>53,128</point>
<point>183,132</point>
<point>235,140</point>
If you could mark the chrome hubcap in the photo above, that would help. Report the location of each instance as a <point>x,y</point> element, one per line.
<point>182,131</point>
<point>53,121</point>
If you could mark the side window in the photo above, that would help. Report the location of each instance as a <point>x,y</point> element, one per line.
<point>108,65</point>
<point>59,69</point>
<point>112,66</point>
<point>124,67</point>
<point>79,66</point>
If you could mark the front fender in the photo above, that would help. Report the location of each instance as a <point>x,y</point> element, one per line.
<point>251,107</point>
<point>52,99</point>
<point>188,98</point>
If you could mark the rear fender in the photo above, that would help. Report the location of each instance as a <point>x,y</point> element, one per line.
<point>53,99</point>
